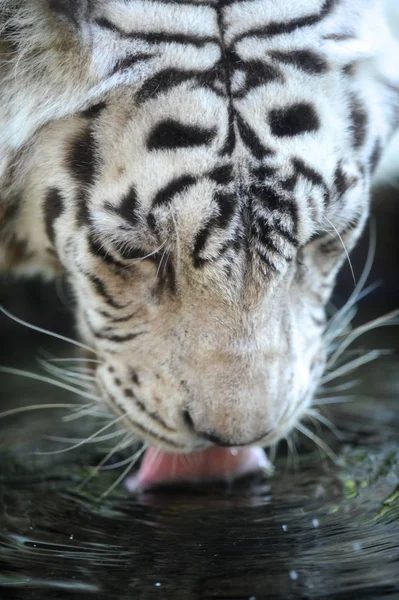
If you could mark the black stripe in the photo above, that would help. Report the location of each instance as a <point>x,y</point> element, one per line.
<point>279,207</point>
<point>264,231</point>
<point>116,338</point>
<point>227,204</point>
<point>230,141</point>
<point>157,37</point>
<point>170,134</point>
<point>257,74</point>
<point>163,82</point>
<point>292,120</point>
<point>53,208</point>
<point>129,61</point>
<point>176,186</point>
<point>128,208</point>
<point>99,251</point>
<point>82,212</point>
<point>82,158</point>
<point>199,244</point>
<point>376,155</point>
<point>305,60</point>
<point>128,252</point>
<point>141,428</point>
<point>359,119</point>
<point>284,27</point>
<point>222,175</point>
<point>251,140</point>
<point>154,416</point>
<point>103,292</point>
<point>311,175</point>
<point>94,111</point>
<point>124,319</point>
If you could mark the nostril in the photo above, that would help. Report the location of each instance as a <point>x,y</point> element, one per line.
<point>215,439</point>
<point>188,420</point>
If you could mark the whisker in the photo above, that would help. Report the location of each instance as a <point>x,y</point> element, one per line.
<point>45,331</point>
<point>67,375</point>
<point>354,297</point>
<point>136,260</point>
<point>340,388</point>
<point>85,441</point>
<point>273,452</point>
<point>354,364</point>
<point>334,333</point>
<point>89,360</point>
<point>344,247</point>
<point>329,424</point>
<point>128,438</point>
<point>67,440</point>
<point>104,414</point>
<point>123,475</point>
<point>54,382</point>
<point>384,321</point>
<point>318,441</point>
<point>333,400</point>
<point>293,452</point>
<point>22,409</point>
<point>121,463</point>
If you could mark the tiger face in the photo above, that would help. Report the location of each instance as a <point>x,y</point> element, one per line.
<point>201,208</point>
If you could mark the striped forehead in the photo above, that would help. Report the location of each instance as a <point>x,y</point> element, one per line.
<point>216,131</point>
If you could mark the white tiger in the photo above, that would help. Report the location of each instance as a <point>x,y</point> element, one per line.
<point>197,168</point>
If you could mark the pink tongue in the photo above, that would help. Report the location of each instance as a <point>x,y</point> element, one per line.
<point>214,463</point>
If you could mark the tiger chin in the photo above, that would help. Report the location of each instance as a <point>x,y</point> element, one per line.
<point>199,173</point>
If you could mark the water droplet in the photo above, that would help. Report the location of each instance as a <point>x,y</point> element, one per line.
<point>293,575</point>
<point>71,536</point>
<point>315,523</point>
<point>285,527</point>
<point>158,584</point>
<point>234,451</point>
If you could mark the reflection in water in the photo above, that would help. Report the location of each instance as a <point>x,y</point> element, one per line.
<point>314,529</point>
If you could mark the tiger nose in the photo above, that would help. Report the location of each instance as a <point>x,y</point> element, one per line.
<point>220,438</point>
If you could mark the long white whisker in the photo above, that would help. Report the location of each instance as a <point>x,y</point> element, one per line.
<point>334,333</point>
<point>64,386</point>
<point>23,409</point>
<point>352,365</point>
<point>121,463</point>
<point>67,375</point>
<point>82,442</point>
<point>344,247</point>
<point>348,385</point>
<point>89,360</point>
<point>388,319</point>
<point>128,438</point>
<point>333,400</point>
<point>353,298</point>
<point>45,331</point>
<point>66,440</point>
<point>319,442</point>
<point>123,475</point>
<point>88,411</point>
<point>322,419</point>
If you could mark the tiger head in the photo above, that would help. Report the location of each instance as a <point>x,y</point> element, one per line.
<point>204,173</point>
